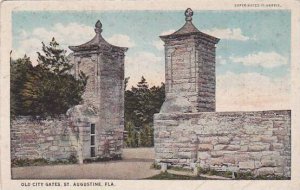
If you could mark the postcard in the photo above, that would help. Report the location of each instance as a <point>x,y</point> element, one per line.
<point>150,94</point>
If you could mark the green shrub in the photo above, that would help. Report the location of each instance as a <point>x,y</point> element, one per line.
<point>212,172</point>
<point>73,159</point>
<point>42,162</point>
<point>29,162</point>
<point>155,166</point>
<point>202,170</point>
<point>228,174</point>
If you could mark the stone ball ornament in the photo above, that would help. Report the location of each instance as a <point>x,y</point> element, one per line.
<point>98,27</point>
<point>188,14</point>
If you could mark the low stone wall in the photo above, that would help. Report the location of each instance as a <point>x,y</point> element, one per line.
<point>56,139</point>
<point>259,142</point>
<point>51,139</point>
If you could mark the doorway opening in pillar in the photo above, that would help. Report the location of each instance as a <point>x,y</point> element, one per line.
<point>93,154</point>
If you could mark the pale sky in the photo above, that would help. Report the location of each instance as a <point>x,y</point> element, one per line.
<point>253,55</point>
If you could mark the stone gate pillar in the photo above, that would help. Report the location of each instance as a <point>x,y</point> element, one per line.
<point>190,88</point>
<point>102,111</point>
<point>190,69</point>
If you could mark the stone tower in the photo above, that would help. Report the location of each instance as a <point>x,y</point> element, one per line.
<point>101,116</point>
<point>190,69</point>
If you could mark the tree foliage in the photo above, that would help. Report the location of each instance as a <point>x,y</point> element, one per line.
<point>47,89</point>
<point>141,103</point>
<point>18,69</point>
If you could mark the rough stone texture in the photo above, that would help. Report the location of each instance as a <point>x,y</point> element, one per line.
<point>108,141</point>
<point>103,63</point>
<point>51,139</point>
<point>249,141</point>
<point>58,139</point>
<point>190,70</point>
<point>177,104</point>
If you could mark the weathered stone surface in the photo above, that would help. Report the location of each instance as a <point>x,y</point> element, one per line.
<point>223,140</point>
<point>233,147</point>
<point>187,75</point>
<point>208,140</point>
<point>229,158</point>
<point>103,99</point>
<point>205,147</point>
<point>46,138</point>
<point>184,155</point>
<point>247,165</point>
<point>278,170</point>
<point>220,147</point>
<point>216,154</point>
<point>255,155</point>
<point>210,129</point>
<point>268,163</point>
<point>281,132</point>
<point>242,157</point>
<point>268,139</point>
<point>277,146</point>
<point>257,164</point>
<point>177,104</point>
<point>215,161</point>
<point>244,148</point>
<point>265,171</point>
<point>258,148</point>
<point>203,155</point>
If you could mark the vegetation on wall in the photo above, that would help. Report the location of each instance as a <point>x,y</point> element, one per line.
<point>42,161</point>
<point>47,89</point>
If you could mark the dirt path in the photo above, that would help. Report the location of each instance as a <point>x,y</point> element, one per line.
<point>135,165</point>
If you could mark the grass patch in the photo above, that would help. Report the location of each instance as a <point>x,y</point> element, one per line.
<point>42,162</point>
<point>102,159</point>
<point>240,175</point>
<point>249,176</point>
<point>169,176</point>
<point>178,168</point>
<point>207,171</point>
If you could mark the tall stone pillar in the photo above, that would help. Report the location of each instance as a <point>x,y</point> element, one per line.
<point>102,111</point>
<point>190,88</point>
<point>189,69</point>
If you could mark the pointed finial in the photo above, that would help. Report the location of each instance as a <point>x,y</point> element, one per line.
<point>188,14</point>
<point>98,27</point>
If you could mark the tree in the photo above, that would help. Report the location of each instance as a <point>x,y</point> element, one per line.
<point>131,140</point>
<point>54,59</point>
<point>49,89</point>
<point>18,69</point>
<point>146,136</point>
<point>141,103</point>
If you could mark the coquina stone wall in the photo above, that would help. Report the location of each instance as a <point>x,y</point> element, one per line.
<point>51,139</point>
<point>60,138</point>
<point>259,142</point>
